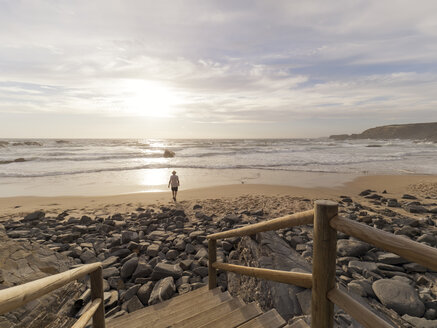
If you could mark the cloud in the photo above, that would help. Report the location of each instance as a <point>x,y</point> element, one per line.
<point>224,61</point>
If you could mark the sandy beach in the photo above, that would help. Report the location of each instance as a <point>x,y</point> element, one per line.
<point>121,231</point>
<point>395,186</point>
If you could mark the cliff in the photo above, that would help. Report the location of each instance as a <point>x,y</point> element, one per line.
<point>417,131</point>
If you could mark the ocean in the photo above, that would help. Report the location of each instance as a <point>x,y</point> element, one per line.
<point>47,167</point>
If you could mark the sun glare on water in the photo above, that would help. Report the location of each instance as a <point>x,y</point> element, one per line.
<point>150,99</point>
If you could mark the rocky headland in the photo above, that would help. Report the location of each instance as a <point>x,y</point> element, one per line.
<point>417,131</point>
<point>152,253</point>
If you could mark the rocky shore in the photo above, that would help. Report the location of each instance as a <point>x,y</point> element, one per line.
<point>415,131</point>
<point>153,253</point>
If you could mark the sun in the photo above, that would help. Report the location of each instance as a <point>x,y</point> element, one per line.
<point>148,98</point>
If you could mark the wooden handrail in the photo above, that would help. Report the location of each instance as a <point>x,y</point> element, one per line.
<point>408,249</point>
<point>86,317</point>
<point>286,277</point>
<point>275,224</point>
<point>324,254</point>
<point>359,312</point>
<point>96,281</point>
<point>212,258</point>
<point>14,297</point>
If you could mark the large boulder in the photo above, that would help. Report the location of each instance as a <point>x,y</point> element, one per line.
<point>349,247</point>
<point>399,296</point>
<point>24,261</point>
<point>129,268</point>
<point>168,153</point>
<point>143,270</point>
<point>163,290</point>
<point>144,292</point>
<point>38,215</point>
<point>162,270</point>
<point>271,252</point>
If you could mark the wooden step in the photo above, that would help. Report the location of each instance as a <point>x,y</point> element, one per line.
<point>182,311</point>
<point>236,317</point>
<point>270,319</point>
<point>204,317</point>
<point>200,294</point>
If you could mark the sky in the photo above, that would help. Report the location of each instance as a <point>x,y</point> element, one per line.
<point>214,69</point>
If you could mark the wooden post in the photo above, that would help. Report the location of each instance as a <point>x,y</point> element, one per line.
<point>212,257</point>
<point>96,279</point>
<point>324,254</point>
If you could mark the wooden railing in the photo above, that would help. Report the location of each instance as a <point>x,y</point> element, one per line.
<point>324,293</point>
<point>14,297</point>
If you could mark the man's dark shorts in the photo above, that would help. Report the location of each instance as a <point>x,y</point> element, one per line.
<point>174,188</point>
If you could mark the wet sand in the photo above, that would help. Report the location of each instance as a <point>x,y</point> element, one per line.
<point>394,185</point>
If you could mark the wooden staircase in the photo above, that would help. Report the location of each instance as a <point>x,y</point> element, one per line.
<point>200,308</point>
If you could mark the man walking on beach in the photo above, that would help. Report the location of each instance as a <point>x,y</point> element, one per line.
<point>174,183</point>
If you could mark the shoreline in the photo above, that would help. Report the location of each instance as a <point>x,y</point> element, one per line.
<point>395,185</point>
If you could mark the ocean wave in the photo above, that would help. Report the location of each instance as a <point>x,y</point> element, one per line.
<point>58,157</point>
<point>295,166</point>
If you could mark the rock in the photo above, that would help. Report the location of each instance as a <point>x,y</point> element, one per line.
<point>202,216</point>
<point>172,254</point>
<point>162,270</point>
<point>407,231</point>
<point>189,249</point>
<point>407,196</point>
<point>38,215</point>
<point>88,257</point>
<point>113,299</point>
<point>130,293</point>
<point>152,250</point>
<point>185,264</point>
<point>365,192</point>
<point>184,288</point>
<point>122,252</point>
<point>390,258</point>
<point>143,270</point>
<point>109,261</point>
<point>399,296</point>
<point>163,290</point>
<point>420,322</point>
<point>129,268</point>
<point>85,220</point>
<point>360,266</point>
<point>361,287</point>
<point>110,272</point>
<point>346,199</point>
<point>201,271</point>
<point>198,236</point>
<point>168,153</point>
<point>116,282</point>
<point>304,299</point>
<point>392,202</point>
<point>268,251</point>
<point>201,253</point>
<point>133,304</point>
<point>348,247</point>
<point>232,219</point>
<point>416,209</point>
<point>430,314</point>
<point>414,267</point>
<point>179,244</point>
<point>144,292</point>
<point>227,246</point>
<point>157,235</point>
<point>127,236</point>
<point>428,238</point>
